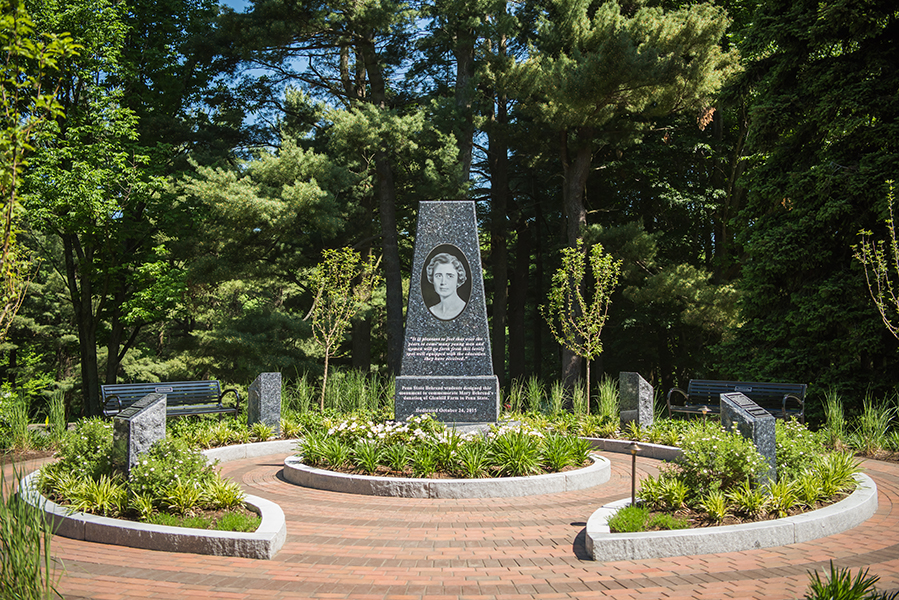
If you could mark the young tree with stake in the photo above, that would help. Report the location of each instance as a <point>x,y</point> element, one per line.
<point>344,282</point>
<point>576,321</point>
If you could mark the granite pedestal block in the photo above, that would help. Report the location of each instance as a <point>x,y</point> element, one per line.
<point>754,423</point>
<point>636,396</point>
<point>264,401</point>
<point>447,370</point>
<point>137,428</point>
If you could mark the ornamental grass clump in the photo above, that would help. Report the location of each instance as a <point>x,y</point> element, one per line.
<point>27,569</point>
<point>515,452</point>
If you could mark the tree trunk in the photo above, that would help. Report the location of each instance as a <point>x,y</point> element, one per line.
<point>464,53</point>
<point>86,321</point>
<point>386,195</point>
<point>499,192</point>
<point>576,169</point>
<point>361,339</point>
<point>518,293</point>
<point>538,285</point>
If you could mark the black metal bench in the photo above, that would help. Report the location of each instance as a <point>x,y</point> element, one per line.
<point>703,396</point>
<point>182,397</point>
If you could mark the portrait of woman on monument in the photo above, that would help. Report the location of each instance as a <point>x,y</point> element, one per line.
<point>446,293</point>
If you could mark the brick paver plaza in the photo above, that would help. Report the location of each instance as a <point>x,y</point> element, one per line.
<point>348,546</point>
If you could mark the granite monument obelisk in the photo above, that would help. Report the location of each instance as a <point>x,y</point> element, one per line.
<point>447,370</point>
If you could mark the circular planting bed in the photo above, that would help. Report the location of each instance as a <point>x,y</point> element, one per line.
<point>497,487</point>
<point>263,543</point>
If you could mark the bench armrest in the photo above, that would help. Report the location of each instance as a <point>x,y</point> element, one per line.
<point>801,404</point>
<point>118,404</point>
<point>236,395</point>
<point>668,398</point>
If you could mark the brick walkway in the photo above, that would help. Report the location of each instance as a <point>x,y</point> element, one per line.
<point>346,546</point>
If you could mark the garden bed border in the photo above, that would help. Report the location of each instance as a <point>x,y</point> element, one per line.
<point>489,487</point>
<point>604,546</point>
<point>263,543</point>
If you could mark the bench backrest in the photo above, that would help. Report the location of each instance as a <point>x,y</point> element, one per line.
<point>178,393</point>
<point>757,391</point>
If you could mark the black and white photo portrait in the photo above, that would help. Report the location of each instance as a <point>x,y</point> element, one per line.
<point>446,282</point>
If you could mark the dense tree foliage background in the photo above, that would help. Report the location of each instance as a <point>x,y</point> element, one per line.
<point>203,158</point>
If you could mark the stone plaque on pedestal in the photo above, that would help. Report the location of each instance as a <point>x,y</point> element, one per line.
<point>447,370</point>
<point>754,423</point>
<point>137,428</point>
<point>264,401</point>
<point>636,399</point>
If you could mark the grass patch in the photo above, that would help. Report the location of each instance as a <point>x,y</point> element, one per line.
<point>634,518</point>
<point>234,520</point>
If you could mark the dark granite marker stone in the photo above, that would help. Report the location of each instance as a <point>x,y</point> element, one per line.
<point>754,423</point>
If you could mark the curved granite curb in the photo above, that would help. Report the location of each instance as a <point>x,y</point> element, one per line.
<point>263,543</point>
<point>845,514</point>
<point>501,487</point>
<point>647,450</point>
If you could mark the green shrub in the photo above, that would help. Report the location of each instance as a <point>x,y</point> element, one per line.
<point>105,496</point>
<point>796,448</point>
<point>607,398</point>
<point>84,454</point>
<point>167,464</point>
<point>556,398</point>
<point>808,488</point>
<point>335,453</point>
<point>579,450</point>
<point>182,497</point>
<point>446,445</point>
<point>873,424</point>
<point>143,504</point>
<point>534,394</point>
<point>223,493</point>
<point>782,497</point>
<point>835,472</point>
<point>260,432</point>
<point>717,459</point>
<point>835,419</point>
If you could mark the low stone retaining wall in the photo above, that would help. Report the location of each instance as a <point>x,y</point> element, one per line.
<point>850,512</point>
<point>499,487</point>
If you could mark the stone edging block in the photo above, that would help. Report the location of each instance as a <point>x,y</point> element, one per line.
<point>501,487</point>
<point>845,514</point>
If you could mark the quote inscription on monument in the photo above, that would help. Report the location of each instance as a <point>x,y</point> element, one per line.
<point>447,370</point>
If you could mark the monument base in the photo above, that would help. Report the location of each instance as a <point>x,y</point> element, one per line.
<point>448,399</point>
